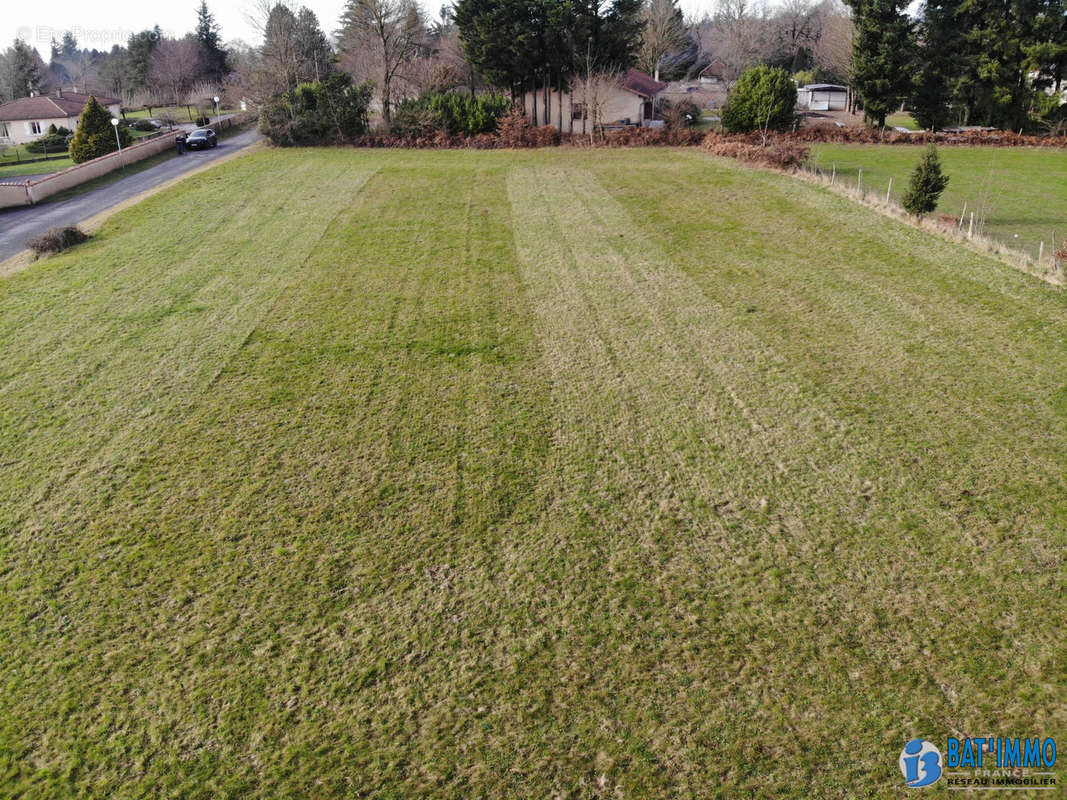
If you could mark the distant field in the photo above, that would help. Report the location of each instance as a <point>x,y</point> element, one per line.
<point>1022,192</point>
<point>521,474</point>
<point>902,120</point>
<point>177,113</point>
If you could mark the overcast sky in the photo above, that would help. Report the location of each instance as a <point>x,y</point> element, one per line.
<point>103,24</point>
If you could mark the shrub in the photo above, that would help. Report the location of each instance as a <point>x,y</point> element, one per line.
<point>55,240</point>
<point>412,119</point>
<point>927,183</point>
<point>1060,255</point>
<point>51,143</point>
<point>781,154</point>
<point>95,136</point>
<point>454,113</point>
<point>680,113</point>
<point>143,125</point>
<point>330,111</point>
<point>764,99</point>
<point>201,121</point>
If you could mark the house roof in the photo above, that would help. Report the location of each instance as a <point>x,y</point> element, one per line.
<point>716,69</point>
<point>639,83</point>
<point>49,106</point>
<point>825,87</point>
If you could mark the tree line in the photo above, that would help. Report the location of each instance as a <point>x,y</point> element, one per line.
<point>981,62</point>
<point>996,63</point>
<point>149,70</point>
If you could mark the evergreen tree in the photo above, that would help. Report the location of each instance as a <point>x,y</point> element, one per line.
<point>927,183</point>
<point>210,41</point>
<point>882,55</point>
<point>24,69</point>
<point>531,44</point>
<point>313,49</point>
<point>935,62</point>
<point>986,58</point>
<point>764,99</point>
<point>95,136</point>
<point>69,45</point>
<point>139,49</point>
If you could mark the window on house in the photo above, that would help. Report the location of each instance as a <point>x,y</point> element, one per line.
<point>578,111</point>
<point>35,128</point>
<point>4,133</point>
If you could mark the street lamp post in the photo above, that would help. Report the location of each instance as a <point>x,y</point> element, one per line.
<point>115,125</point>
<point>218,116</point>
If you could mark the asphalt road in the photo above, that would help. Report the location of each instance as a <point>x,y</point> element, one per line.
<point>19,224</point>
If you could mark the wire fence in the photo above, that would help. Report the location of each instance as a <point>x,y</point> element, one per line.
<point>1045,259</point>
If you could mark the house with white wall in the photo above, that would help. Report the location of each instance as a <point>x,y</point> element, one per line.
<point>630,100</point>
<point>29,118</point>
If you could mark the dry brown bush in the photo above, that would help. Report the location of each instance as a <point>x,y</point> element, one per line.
<point>780,154</point>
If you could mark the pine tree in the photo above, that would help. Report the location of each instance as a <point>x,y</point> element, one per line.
<point>935,62</point>
<point>139,49</point>
<point>210,40</point>
<point>95,136</point>
<point>882,55</point>
<point>69,47</point>
<point>24,69</point>
<point>927,183</point>
<point>312,47</point>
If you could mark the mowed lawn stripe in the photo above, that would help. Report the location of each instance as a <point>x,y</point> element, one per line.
<point>137,343</point>
<point>341,484</point>
<point>962,436</point>
<point>697,519</point>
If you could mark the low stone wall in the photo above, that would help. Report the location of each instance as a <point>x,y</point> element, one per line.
<point>39,189</point>
<point>13,194</point>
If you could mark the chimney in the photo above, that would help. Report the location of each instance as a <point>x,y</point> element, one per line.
<point>33,93</point>
<point>59,92</point>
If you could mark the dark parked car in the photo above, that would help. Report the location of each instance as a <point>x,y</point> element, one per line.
<point>201,139</point>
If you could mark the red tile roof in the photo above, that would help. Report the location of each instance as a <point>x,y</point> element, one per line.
<point>642,84</point>
<point>49,106</point>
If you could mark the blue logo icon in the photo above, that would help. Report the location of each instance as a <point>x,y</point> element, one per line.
<point>920,763</point>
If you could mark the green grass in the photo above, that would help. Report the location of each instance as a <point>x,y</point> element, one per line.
<point>903,120</point>
<point>1019,190</point>
<point>9,167</point>
<point>35,168</point>
<point>177,113</point>
<point>513,474</point>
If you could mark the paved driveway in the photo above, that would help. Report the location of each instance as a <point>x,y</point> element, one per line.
<point>19,224</point>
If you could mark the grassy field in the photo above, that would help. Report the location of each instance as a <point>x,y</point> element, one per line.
<point>902,120</point>
<point>1020,191</point>
<point>180,114</point>
<point>521,474</point>
<point>9,167</point>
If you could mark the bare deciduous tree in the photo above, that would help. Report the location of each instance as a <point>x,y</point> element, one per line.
<point>664,33</point>
<point>591,94</point>
<point>388,32</point>
<point>833,49</point>
<point>173,67</point>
